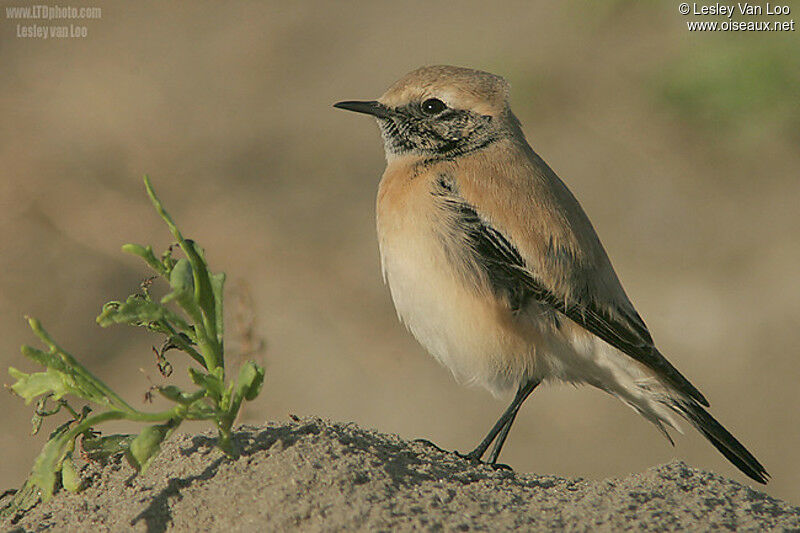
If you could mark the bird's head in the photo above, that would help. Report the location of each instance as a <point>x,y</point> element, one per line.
<point>440,112</point>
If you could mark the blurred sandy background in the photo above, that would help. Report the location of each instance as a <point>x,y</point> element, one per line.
<point>682,147</point>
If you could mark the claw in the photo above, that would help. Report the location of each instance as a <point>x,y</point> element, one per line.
<point>474,458</point>
<point>471,456</point>
<point>426,442</point>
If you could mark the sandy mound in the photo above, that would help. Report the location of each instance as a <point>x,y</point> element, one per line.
<point>314,475</point>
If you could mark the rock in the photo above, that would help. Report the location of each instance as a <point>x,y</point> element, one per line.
<point>314,475</point>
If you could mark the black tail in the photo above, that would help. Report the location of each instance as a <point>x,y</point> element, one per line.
<point>722,440</point>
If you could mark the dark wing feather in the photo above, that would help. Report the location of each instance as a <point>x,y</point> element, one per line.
<point>509,276</point>
<point>627,334</point>
<point>722,440</point>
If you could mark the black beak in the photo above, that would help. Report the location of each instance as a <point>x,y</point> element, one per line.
<point>373,108</point>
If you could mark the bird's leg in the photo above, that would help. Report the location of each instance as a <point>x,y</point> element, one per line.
<point>501,438</point>
<point>503,424</point>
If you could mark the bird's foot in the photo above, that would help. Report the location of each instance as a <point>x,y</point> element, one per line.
<point>429,444</point>
<point>472,457</point>
<point>475,457</point>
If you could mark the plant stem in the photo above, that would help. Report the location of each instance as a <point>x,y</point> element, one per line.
<point>136,416</point>
<point>185,346</point>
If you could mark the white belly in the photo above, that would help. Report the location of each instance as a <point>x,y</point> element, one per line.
<point>463,329</point>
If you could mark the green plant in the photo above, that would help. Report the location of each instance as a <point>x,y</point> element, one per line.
<point>190,316</point>
<point>735,88</point>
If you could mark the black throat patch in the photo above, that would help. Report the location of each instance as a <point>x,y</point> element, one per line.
<point>451,134</point>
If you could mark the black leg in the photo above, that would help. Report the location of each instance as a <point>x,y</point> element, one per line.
<point>501,439</point>
<point>503,424</point>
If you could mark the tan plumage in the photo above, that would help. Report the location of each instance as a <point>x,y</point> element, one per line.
<point>495,268</point>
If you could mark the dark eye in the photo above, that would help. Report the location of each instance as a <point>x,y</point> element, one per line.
<point>433,106</point>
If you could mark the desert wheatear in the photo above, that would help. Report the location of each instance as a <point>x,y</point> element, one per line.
<point>497,271</point>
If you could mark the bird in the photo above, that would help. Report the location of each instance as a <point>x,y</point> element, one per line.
<point>495,268</point>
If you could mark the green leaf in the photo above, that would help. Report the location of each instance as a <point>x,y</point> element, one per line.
<point>209,382</point>
<point>46,359</point>
<point>137,311</point>
<point>203,291</point>
<point>147,444</point>
<point>101,448</point>
<point>60,378</point>
<point>199,410</point>
<point>173,393</point>
<point>251,378</point>
<point>146,253</point>
<point>181,278</point>
<point>73,374</point>
<point>70,479</point>
<point>29,386</point>
<point>218,286</point>
<point>48,464</point>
